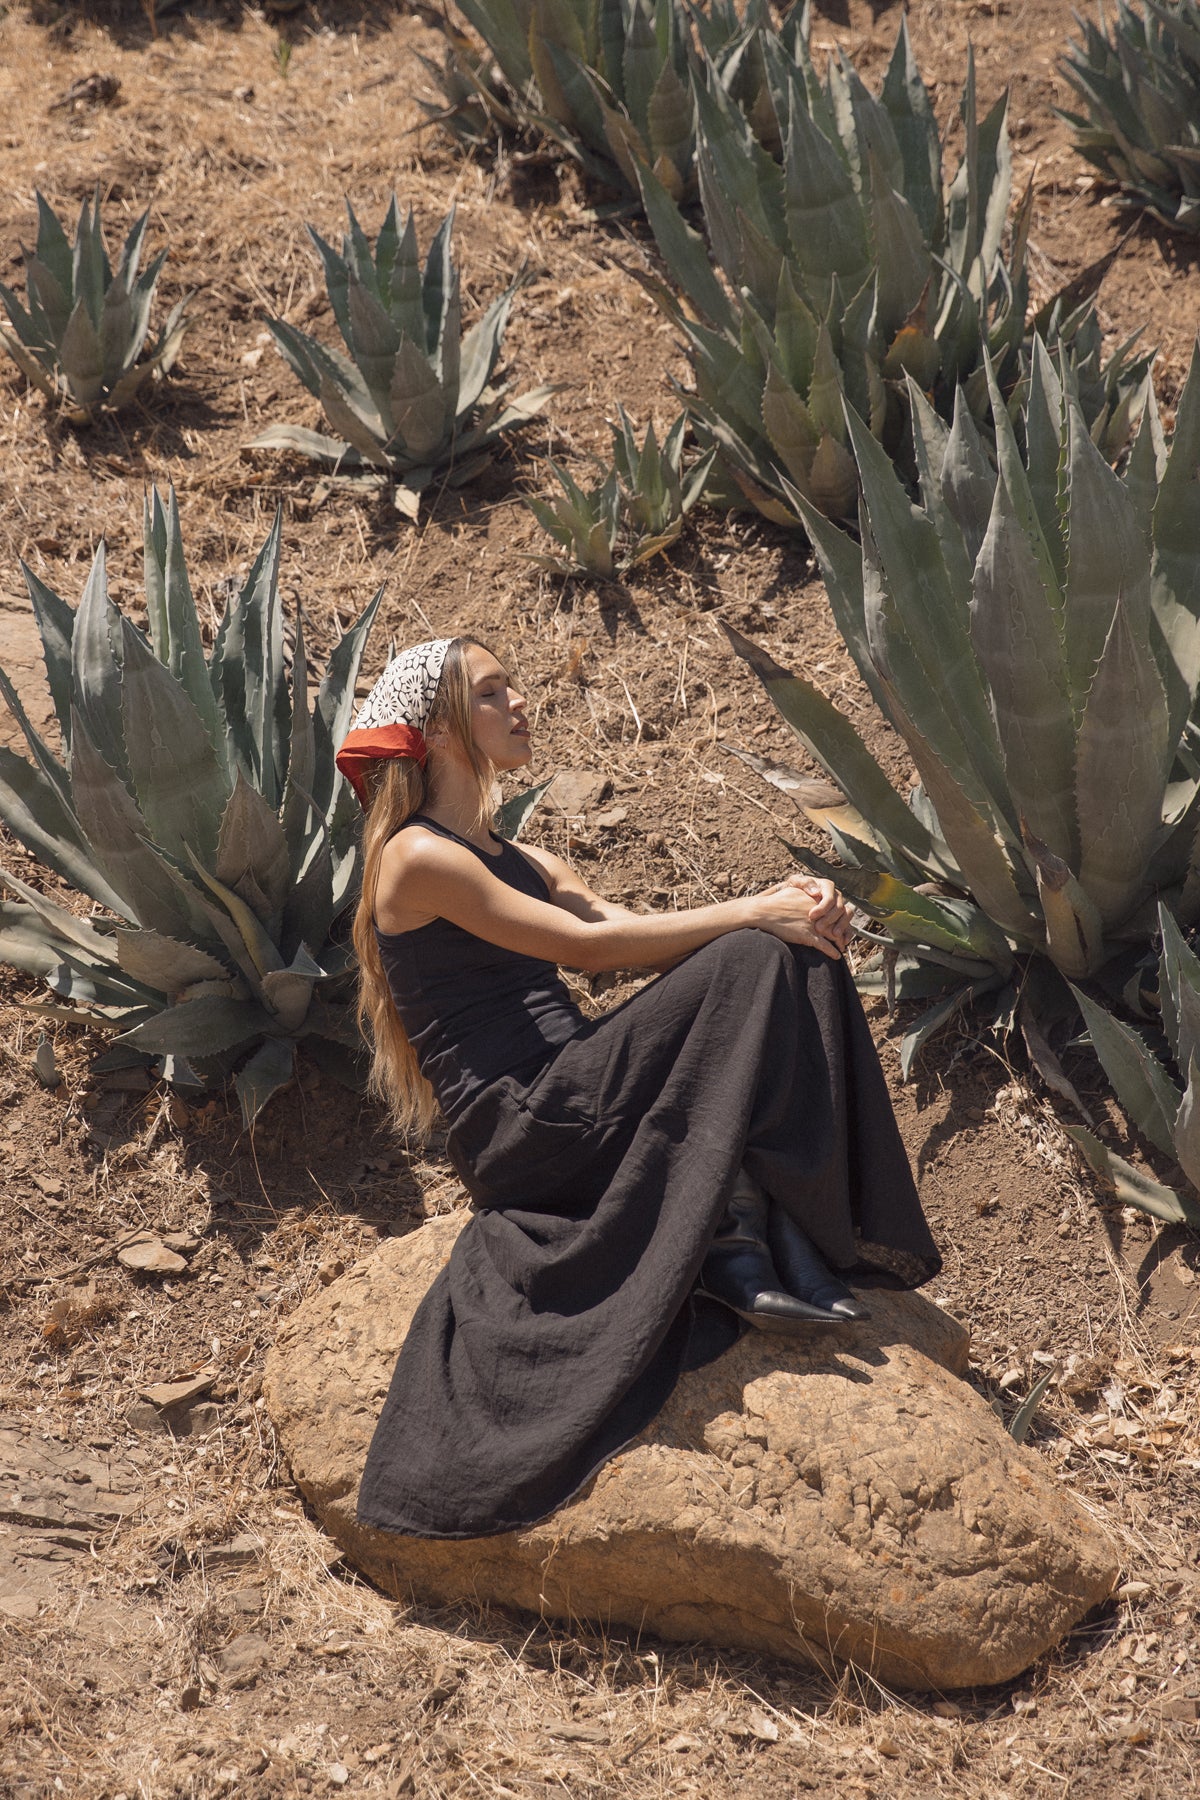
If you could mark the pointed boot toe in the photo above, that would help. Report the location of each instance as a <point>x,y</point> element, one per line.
<point>847,1307</point>
<point>739,1271</point>
<point>768,1309</point>
<point>806,1274</point>
<point>775,1310</point>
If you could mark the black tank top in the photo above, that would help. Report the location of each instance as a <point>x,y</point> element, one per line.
<point>473,1011</point>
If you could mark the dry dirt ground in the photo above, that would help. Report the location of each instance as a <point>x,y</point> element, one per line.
<point>171,1622</point>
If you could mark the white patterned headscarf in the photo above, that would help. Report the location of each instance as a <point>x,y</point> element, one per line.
<point>405,692</point>
<point>391,720</point>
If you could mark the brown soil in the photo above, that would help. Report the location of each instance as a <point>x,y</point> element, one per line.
<point>126,1665</point>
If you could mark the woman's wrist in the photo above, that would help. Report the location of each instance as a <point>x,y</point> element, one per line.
<point>752,911</point>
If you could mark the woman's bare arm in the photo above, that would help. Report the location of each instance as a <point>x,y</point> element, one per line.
<point>430,877</point>
<point>568,888</point>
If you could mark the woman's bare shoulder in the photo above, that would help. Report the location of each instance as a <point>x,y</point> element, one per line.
<point>415,855</point>
<point>403,841</point>
<point>413,861</point>
<point>414,849</point>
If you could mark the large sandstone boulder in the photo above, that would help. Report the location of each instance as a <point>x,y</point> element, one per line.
<point>850,1500</point>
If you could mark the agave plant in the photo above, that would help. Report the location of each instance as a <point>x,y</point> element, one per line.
<point>657,495</point>
<point>608,80</point>
<point>474,101</point>
<point>614,79</point>
<point>1139,80</point>
<point>1032,632</point>
<point>198,804</point>
<point>81,335</point>
<point>849,269</point>
<point>584,523</point>
<point>635,512</point>
<point>413,399</point>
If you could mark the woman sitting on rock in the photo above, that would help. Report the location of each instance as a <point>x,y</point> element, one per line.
<point>704,1156</point>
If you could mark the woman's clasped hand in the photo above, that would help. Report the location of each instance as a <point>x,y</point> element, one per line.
<point>804,909</point>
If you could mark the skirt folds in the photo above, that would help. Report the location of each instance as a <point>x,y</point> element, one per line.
<point>565,1314</point>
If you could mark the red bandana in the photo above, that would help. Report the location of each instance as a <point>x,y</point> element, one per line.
<point>378,744</point>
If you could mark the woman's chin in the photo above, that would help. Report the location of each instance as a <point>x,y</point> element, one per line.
<point>518,754</point>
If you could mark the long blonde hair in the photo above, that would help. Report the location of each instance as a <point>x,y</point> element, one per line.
<point>396,790</point>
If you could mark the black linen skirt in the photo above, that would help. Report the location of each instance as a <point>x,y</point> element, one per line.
<point>565,1314</point>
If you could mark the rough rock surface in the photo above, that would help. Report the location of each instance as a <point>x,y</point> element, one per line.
<point>856,1502</point>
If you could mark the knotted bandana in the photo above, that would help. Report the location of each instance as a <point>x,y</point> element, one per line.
<point>391,720</point>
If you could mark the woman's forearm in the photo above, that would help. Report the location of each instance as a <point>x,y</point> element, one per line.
<point>658,940</point>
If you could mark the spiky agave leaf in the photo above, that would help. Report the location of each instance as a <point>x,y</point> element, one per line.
<point>411,398</point>
<point>200,802</point>
<point>1163,1104</point>
<point>80,336</point>
<point>513,815</point>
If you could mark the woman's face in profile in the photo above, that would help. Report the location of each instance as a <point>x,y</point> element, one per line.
<point>498,724</point>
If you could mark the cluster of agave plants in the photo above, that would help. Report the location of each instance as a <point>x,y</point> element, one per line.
<point>613,84</point>
<point>607,81</point>
<point>1008,537</point>
<point>835,255</point>
<point>635,512</point>
<point>412,399</point>
<point>835,260</point>
<point>852,265</point>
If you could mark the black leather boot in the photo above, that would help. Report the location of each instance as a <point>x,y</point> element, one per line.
<point>804,1271</point>
<point>738,1270</point>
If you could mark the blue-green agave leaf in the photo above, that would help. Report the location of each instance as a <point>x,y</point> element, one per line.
<point>1139,1080</point>
<point>263,1075</point>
